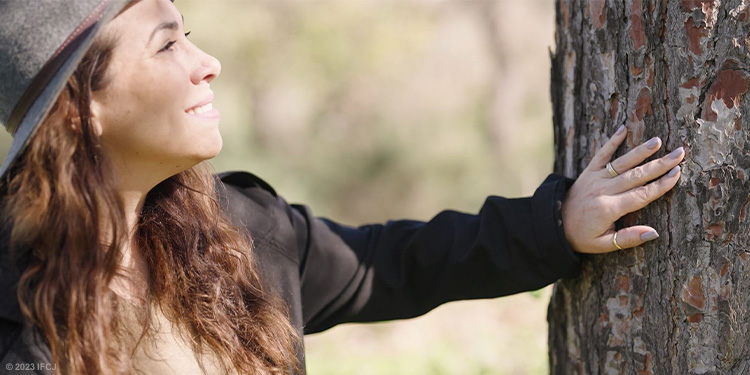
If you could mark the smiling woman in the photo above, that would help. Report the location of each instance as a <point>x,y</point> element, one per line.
<point>111,188</point>
<point>154,117</point>
<point>123,253</point>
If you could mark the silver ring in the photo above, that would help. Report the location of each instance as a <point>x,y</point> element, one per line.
<point>614,241</point>
<point>612,171</point>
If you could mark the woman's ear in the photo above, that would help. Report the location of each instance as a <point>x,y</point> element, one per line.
<point>96,114</point>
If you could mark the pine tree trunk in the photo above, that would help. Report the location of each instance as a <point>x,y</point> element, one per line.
<point>677,70</point>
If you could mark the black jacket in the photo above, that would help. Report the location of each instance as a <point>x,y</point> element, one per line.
<point>331,274</point>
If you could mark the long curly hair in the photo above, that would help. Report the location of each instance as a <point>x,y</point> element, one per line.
<point>66,215</point>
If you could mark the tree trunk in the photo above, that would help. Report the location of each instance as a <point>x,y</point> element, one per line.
<point>677,70</point>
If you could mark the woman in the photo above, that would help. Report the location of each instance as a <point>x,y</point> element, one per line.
<point>124,254</point>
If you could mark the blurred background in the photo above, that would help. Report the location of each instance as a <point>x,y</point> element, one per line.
<point>369,110</point>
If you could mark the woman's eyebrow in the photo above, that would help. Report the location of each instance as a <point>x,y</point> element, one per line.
<point>163,26</point>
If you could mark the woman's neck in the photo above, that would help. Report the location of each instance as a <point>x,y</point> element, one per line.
<point>133,203</point>
<point>133,267</point>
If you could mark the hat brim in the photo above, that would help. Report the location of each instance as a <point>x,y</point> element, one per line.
<point>43,103</point>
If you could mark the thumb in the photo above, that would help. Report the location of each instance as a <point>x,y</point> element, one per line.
<point>634,236</point>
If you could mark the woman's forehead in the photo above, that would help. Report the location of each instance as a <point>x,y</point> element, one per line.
<point>141,17</point>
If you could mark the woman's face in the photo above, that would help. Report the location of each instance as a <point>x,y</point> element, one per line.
<point>154,114</point>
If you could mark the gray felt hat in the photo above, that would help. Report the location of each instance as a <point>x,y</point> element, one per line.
<point>41,44</point>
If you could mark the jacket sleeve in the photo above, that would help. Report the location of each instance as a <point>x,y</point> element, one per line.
<point>405,268</point>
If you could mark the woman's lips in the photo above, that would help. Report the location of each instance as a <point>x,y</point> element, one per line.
<point>204,109</point>
<point>200,110</point>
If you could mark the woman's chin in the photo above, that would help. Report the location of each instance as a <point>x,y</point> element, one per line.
<point>215,150</point>
<point>209,150</point>
<point>207,154</point>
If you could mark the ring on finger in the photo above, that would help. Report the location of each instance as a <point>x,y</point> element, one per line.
<point>611,170</point>
<point>614,241</point>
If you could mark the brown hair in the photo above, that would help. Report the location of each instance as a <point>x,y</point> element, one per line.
<point>201,271</point>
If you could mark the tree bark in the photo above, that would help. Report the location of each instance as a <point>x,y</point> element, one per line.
<point>677,70</point>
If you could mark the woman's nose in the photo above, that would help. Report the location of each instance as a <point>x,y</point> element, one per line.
<point>209,68</point>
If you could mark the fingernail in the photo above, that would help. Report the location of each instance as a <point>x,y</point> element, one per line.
<point>676,153</point>
<point>620,130</point>
<point>652,143</point>
<point>674,171</point>
<point>650,235</point>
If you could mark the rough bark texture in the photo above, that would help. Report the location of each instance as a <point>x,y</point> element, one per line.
<point>677,70</point>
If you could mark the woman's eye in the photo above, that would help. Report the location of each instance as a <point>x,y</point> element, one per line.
<point>168,46</point>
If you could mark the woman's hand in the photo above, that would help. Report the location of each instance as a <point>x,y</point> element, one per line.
<point>599,198</point>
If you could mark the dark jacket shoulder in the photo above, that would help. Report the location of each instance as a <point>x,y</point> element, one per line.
<point>253,204</point>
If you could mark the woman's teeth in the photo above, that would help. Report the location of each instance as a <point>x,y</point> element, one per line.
<point>201,109</point>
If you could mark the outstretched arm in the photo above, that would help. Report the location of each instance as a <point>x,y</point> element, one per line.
<point>405,268</point>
